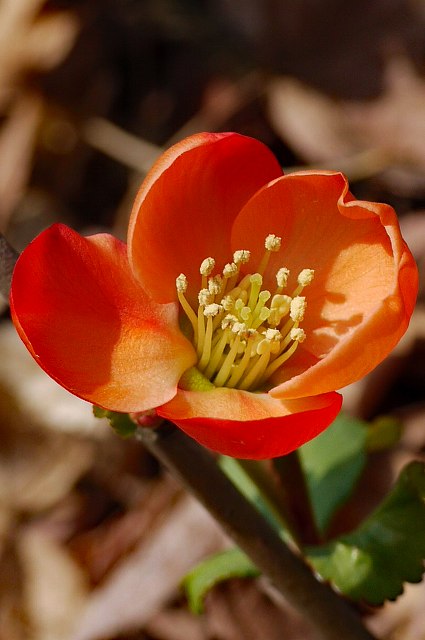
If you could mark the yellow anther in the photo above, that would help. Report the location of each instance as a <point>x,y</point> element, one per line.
<point>207,266</point>
<point>241,256</point>
<point>272,242</point>
<point>297,334</point>
<point>181,283</point>
<point>215,284</point>
<point>298,307</point>
<point>230,269</point>
<point>212,310</point>
<point>272,335</point>
<point>282,278</point>
<point>305,277</point>
<point>228,302</point>
<point>240,329</point>
<point>228,321</point>
<point>205,297</point>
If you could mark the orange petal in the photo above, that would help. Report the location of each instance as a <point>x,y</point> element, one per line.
<point>91,327</point>
<point>365,284</point>
<point>250,425</point>
<point>185,208</point>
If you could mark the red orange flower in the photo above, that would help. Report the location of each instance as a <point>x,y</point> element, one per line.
<point>243,299</point>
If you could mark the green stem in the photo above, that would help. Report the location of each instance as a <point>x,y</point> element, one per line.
<point>329,615</point>
<point>292,481</point>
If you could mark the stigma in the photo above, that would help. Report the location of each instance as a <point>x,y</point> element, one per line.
<point>243,333</point>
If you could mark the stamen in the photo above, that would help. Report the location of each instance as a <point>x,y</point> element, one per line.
<point>215,285</point>
<point>228,302</point>
<point>239,369</point>
<point>226,367</point>
<point>206,268</point>
<point>205,297</point>
<point>272,243</point>
<point>230,269</point>
<point>298,307</point>
<point>181,286</point>
<point>282,279</point>
<point>241,256</point>
<point>305,277</point>
<point>298,336</point>
<point>210,311</point>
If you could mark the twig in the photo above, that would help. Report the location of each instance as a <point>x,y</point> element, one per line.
<point>8,257</point>
<point>290,474</point>
<point>329,615</point>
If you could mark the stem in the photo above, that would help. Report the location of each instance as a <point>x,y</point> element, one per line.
<point>331,616</point>
<point>8,257</point>
<point>292,481</point>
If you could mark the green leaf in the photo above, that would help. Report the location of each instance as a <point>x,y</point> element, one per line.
<point>333,463</point>
<point>245,481</point>
<point>387,549</point>
<point>120,422</point>
<point>383,433</point>
<point>232,563</point>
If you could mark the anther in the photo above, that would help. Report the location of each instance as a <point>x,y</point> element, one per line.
<point>212,310</point>
<point>305,277</point>
<point>207,266</point>
<point>297,334</point>
<point>298,307</point>
<point>272,242</point>
<point>215,284</point>
<point>282,278</point>
<point>230,269</point>
<point>228,302</point>
<point>181,283</point>
<point>241,256</point>
<point>205,297</point>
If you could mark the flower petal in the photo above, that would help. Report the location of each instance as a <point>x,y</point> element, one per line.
<point>250,425</point>
<point>91,327</point>
<point>185,208</point>
<point>365,281</point>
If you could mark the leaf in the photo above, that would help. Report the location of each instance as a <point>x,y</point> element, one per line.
<point>242,476</point>
<point>387,549</point>
<point>120,422</point>
<point>384,432</point>
<point>333,463</point>
<point>232,563</point>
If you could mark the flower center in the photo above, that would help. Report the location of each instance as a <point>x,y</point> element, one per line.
<point>243,333</point>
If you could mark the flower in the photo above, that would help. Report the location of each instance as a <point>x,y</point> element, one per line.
<point>243,299</point>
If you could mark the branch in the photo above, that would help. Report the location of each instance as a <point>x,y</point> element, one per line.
<point>331,616</point>
<point>8,257</point>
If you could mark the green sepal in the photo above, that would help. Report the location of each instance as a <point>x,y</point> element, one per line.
<point>371,563</point>
<point>121,423</point>
<point>333,463</point>
<point>232,563</point>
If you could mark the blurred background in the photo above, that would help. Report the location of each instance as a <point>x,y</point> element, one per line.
<point>94,536</point>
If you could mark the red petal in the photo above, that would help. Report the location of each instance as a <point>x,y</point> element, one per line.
<point>91,327</point>
<point>186,206</point>
<point>250,425</point>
